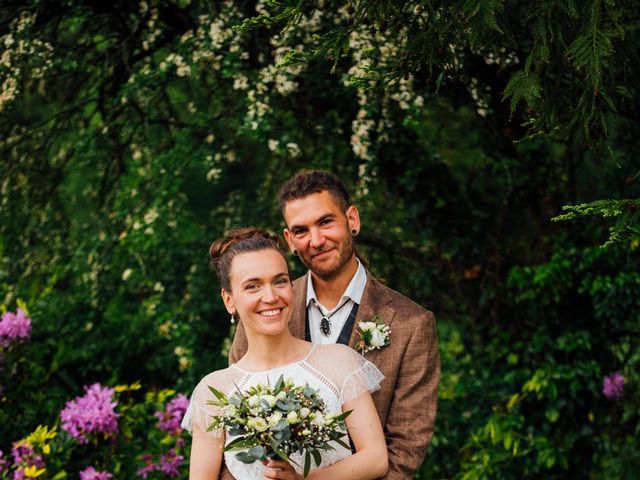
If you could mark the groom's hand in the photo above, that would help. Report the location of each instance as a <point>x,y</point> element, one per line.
<point>278,469</point>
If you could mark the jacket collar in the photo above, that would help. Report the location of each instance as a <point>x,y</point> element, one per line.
<point>375,300</point>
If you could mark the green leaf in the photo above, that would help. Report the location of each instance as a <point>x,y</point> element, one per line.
<point>222,398</point>
<point>238,443</point>
<point>245,457</point>
<point>307,463</point>
<point>316,457</point>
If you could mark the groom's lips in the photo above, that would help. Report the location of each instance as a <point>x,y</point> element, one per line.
<point>322,253</point>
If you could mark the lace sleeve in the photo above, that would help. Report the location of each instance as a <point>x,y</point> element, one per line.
<point>366,378</point>
<point>200,411</point>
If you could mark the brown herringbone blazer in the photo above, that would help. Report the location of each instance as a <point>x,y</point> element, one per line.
<point>407,400</point>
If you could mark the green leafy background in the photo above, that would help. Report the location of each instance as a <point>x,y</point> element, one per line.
<point>134,134</point>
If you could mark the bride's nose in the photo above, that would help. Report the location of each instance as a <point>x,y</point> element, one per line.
<point>269,294</point>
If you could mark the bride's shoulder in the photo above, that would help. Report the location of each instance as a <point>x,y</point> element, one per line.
<point>222,380</point>
<point>338,354</point>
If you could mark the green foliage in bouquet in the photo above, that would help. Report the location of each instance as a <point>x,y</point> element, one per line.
<point>278,421</point>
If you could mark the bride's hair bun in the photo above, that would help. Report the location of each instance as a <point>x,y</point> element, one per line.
<point>239,240</point>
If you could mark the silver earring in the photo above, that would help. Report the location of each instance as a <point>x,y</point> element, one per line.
<point>233,319</point>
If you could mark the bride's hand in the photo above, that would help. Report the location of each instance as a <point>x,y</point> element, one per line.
<point>279,469</point>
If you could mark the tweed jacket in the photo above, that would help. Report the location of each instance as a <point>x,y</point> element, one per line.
<point>407,400</point>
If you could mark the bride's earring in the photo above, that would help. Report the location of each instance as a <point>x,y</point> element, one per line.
<point>233,319</point>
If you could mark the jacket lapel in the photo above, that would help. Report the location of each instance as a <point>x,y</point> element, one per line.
<point>374,302</point>
<point>299,312</point>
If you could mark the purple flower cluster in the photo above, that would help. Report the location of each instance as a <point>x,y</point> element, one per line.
<point>168,464</point>
<point>14,326</point>
<point>169,419</point>
<point>91,473</point>
<point>23,457</point>
<point>613,386</point>
<point>91,413</point>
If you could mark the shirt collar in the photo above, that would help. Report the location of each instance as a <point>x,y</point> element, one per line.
<point>353,292</point>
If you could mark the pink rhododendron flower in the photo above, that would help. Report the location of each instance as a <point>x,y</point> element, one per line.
<point>613,386</point>
<point>14,326</point>
<point>91,473</point>
<point>92,413</point>
<point>169,420</point>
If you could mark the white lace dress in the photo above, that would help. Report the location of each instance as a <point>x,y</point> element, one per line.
<point>339,374</point>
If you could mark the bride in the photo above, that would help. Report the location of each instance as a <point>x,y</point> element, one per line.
<point>256,290</point>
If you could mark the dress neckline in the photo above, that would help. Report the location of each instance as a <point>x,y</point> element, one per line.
<point>301,360</point>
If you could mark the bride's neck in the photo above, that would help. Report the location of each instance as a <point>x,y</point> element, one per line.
<point>265,351</point>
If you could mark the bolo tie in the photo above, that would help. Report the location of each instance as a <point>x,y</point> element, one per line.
<point>325,323</point>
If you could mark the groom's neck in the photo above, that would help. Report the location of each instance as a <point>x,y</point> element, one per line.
<point>329,291</point>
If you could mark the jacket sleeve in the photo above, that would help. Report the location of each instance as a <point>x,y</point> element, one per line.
<point>412,413</point>
<point>239,345</point>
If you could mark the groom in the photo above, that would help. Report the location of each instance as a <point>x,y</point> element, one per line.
<point>338,293</point>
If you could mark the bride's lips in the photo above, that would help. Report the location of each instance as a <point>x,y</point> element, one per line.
<point>271,312</point>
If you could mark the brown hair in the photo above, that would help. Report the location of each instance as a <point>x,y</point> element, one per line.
<point>306,182</point>
<point>240,240</point>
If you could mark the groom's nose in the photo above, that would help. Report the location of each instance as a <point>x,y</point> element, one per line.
<point>317,238</point>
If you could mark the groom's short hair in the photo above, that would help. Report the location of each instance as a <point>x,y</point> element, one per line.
<point>306,182</point>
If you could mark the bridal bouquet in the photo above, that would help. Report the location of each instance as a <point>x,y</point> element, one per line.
<point>277,421</point>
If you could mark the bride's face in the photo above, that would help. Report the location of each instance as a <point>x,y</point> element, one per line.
<point>261,292</point>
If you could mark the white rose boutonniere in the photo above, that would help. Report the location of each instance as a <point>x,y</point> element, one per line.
<point>373,335</point>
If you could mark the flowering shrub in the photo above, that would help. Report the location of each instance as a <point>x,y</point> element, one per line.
<point>170,418</point>
<point>91,473</point>
<point>613,386</point>
<point>13,327</point>
<point>90,414</point>
<point>91,419</point>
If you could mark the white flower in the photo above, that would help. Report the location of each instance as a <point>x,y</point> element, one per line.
<point>318,420</point>
<point>367,326</point>
<point>273,144</point>
<point>259,424</point>
<point>304,412</point>
<point>253,400</point>
<point>270,399</point>
<point>281,395</point>
<point>377,338</point>
<point>126,274</point>
<point>275,418</point>
<point>292,417</point>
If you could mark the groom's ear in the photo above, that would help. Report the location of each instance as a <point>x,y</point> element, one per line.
<point>353,219</point>
<point>289,238</point>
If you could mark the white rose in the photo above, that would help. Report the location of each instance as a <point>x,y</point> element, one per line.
<point>270,399</point>
<point>367,326</point>
<point>253,400</point>
<point>377,339</point>
<point>318,420</point>
<point>304,412</point>
<point>292,417</point>
<point>275,418</point>
<point>258,424</point>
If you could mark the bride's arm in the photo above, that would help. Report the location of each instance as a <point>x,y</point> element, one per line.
<point>370,460</point>
<point>206,455</point>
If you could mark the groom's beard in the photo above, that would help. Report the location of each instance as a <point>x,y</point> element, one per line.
<point>331,270</point>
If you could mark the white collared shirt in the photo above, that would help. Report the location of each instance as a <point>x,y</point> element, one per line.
<point>352,295</point>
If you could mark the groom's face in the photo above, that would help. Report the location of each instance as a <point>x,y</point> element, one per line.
<point>320,231</point>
